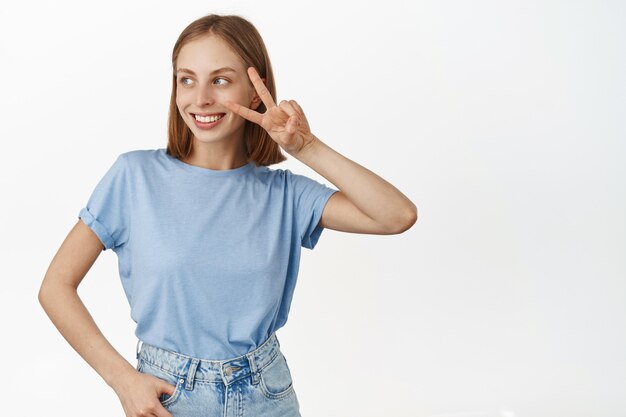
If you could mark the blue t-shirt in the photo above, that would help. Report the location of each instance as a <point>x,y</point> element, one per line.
<point>208,258</point>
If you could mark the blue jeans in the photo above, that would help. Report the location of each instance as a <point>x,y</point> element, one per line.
<point>253,385</point>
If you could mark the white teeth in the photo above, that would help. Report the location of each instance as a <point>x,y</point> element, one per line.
<point>208,119</point>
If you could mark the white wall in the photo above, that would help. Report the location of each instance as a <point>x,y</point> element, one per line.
<point>502,120</point>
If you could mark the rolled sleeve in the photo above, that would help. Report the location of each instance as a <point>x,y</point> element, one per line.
<point>99,229</point>
<point>107,210</point>
<point>310,199</point>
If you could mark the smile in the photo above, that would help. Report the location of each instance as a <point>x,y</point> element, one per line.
<point>207,121</point>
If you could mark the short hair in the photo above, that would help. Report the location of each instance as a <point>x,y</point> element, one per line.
<point>246,42</point>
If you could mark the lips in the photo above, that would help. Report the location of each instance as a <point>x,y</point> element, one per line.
<point>207,114</point>
<point>207,120</point>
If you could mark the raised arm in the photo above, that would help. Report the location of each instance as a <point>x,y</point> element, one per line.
<point>365,203</point>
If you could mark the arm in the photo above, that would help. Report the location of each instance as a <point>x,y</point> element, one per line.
<point>365,203</point>
<point>139,393</point>
<point>59,298</point>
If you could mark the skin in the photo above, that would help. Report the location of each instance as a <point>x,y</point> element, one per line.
<point>365,203</point>
<point>223,146</point>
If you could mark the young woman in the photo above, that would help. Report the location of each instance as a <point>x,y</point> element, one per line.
<point>208,237</point>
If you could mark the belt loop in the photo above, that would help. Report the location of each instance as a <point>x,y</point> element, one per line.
<point>191,373</point>
<point>137,349</point>
<point>253,370</point>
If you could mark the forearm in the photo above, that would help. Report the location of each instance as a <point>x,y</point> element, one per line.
<point>70,316</point>
<point>374,196</point>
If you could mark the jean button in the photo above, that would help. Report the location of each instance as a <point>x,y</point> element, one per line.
<point>230,369</point>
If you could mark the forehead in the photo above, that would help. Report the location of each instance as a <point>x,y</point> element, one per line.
<point>207,53</point>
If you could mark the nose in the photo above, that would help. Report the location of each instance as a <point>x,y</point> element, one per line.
<point>204,97</point>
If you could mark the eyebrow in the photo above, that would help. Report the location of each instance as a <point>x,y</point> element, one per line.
<point>223,69</point>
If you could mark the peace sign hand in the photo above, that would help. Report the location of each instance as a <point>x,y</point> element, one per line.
<point>286,123</point>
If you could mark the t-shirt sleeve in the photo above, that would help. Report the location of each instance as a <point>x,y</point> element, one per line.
<point>107,210</point>
<point>310,197</point>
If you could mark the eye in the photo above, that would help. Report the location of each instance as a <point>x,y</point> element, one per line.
<point>223,79</point>
<point>182,80</point>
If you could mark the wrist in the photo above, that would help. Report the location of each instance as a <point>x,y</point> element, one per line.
<point>118,378</point>
<point>309,147</point>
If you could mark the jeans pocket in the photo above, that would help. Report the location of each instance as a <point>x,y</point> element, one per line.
<point>150,369</point>
<point>275,379</point>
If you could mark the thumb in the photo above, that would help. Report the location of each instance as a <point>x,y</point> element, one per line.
<point>167,388</point>
<point>292,124</point>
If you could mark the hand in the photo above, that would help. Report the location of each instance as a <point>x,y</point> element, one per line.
<point>139,394</point>
<point>286,123</point>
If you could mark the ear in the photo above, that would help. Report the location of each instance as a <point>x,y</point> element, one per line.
<point>256,101</point>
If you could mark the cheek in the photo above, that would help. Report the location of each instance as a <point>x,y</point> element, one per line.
<point>222,96</point>
<point>182,96</point>
<point>184,99</point>
<point>236,94</point>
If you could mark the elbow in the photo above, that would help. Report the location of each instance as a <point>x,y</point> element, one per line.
<point>42,296</point>
<point>48,292</point>
<point>407,221</point>
<point>411,219</point>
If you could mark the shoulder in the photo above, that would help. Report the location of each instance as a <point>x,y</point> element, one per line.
<point>139,158</point>
<point>283,177</point>
<point>270,175</point>
<point>298,184</point>
<point>277,173</point>
<point>138,155</point>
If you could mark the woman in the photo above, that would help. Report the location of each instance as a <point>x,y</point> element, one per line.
<point>208,237</point>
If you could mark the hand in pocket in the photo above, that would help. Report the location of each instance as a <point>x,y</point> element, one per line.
<point>139,394</point>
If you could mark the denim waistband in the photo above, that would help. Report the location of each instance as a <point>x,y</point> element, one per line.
<point>198,369</point>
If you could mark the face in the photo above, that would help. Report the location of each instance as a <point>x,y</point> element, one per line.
<point>208,73</point>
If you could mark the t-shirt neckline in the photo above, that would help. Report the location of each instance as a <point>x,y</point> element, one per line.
<point>206,171</point>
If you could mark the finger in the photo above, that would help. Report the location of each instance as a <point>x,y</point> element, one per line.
<point>162,412</point>
<point>297,107</point>
<point>244,112</point>
<point>165,388</point>
<point>260,88</point>
<point>288,108</point>
<point>292,124</point>
<point>294,118</point>
<point>168,388</point>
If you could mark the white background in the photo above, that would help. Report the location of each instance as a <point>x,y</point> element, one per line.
<point>503,121</point>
